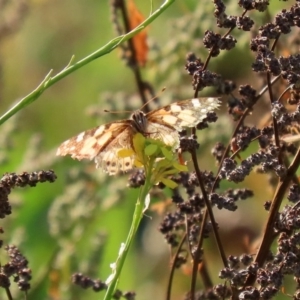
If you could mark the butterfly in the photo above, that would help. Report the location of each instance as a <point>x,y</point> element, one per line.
<point>102,143</point>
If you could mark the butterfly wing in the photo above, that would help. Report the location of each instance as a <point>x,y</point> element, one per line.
<point>102,144</point>
<point>165,123</point>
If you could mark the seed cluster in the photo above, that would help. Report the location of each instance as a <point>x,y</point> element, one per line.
<point>98,285</point>
<point>12,180</point>
<point>17,268</point>
<point>261,274</point>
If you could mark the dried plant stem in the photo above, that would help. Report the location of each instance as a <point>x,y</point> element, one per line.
<point>239,124</point>
<point>269,234</point>
<point>135,65</point>
<point>210,56</point>
<point>173,267</point>
<point>196,258</point>
<point>8,294</point>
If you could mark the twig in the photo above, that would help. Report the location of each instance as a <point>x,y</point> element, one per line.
<point>110,46</point>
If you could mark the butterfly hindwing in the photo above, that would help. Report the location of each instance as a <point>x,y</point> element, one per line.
<point>101,143</point>
<point>163,132</point>
<point>108,158</point>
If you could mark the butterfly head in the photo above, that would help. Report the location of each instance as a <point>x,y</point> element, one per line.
<point>139,121</point>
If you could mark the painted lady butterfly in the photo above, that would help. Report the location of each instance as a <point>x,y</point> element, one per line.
<point>103,142</point>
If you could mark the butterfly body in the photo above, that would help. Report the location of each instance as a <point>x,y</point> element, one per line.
<point>103,142</point>
<point>139,121</point>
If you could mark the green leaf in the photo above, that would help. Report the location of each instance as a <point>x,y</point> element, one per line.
<point>180,167</point>
<point>169,183</point>
<point>163,163</point>
<point>168,172</point>
<point>139,145</point>
<point>167,154</point>
<point>151,149</point>
<point>138,164</point>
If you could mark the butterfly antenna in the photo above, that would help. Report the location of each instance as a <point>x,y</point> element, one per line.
<point>117,111</point>
<point>163,89</point>
<point>128,111</point>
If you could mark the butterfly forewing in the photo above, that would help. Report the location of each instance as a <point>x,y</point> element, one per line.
<point>181,114</point>
<point>103,143</point>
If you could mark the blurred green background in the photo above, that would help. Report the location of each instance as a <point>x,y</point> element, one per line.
<point>77,224</point>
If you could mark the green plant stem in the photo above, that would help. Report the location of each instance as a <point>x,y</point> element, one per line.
<point>137,217</point>
<point>110,46</point>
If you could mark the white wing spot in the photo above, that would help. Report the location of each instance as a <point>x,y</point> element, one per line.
<point>87,148</point>
<point>187,117</point>
<point>104,138</point>
<point>175,108</point>
<point>80,137</point>
<point>196,102</point>
<point>170,119</point>
<point>99,131</point>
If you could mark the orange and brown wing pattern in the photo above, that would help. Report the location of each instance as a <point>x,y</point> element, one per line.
<point>165,123</point>
<point>102,144</point>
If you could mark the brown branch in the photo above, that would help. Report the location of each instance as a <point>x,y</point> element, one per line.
<point>210,55</point>
<point>197,254</point>
<point>240,123</point>
<point>173,267</point>
<point>269,234</point>
<point>134,65</point>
